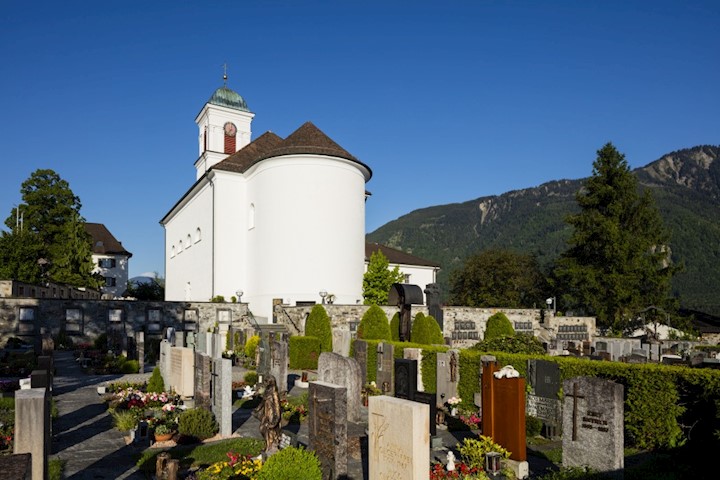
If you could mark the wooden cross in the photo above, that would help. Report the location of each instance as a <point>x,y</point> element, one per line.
<point>575,397</point>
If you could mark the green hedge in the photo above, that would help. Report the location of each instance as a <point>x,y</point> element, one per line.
<point>395,328</point>
<point>318,325</point>
<point>426,331</point>
<point>304,352</point>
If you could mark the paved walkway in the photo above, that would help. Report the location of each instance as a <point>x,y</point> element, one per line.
<point>84,435</point>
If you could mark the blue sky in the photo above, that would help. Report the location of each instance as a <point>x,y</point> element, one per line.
<point>445,101</point>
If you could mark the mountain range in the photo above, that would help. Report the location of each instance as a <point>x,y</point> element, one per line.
<point>684,183</point>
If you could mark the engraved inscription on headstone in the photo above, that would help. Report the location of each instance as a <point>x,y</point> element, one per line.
<point>327,427</point>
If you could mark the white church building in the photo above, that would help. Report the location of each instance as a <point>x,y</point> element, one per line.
<point>269,219</point>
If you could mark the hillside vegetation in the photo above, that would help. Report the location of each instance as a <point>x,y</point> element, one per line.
<point>686,187</point>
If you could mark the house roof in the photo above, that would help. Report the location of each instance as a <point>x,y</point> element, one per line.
<point>397,256</point>
<point>103,241</point>
<point>306,139</point>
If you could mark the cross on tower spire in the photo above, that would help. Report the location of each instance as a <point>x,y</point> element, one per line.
<point>225,77</point>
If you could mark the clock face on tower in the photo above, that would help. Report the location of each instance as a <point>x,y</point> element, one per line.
<point>230,129</point>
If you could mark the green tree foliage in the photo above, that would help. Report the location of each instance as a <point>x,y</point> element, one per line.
<point>618,260</point>
<point>498,278</point>
<point>498,325</point>
<point>50,242</point>
<point>426,331</point>
<point>378,279</point>
<point>374,325</point>
<point>145,290</point>
<point>395,327</point>
<point>318,325</point>
<point>520,343</point>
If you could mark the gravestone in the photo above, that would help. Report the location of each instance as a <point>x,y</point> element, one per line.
<point>416,355</point>
<point>140,347</point>
<point>182,366</point>
<point>543,401</point>
<point>164,361</point>
<point>447,376</point>
<point>341,341</point>
<point>405,378</point>
<point>384,368</point>
<point>201,343</point>
<point>279,361</point>
<point>343,371</point>
<point>398,439</point>
<point>262,353</point>
<point>327,427</point>
<point>430,400</point>
<point>503,411</point>
<point>360,352</point>
<point>203,371</point>
<point>593,412</point>
<point>222,394</point>
<point>32,428</point>
<point>17,466</point>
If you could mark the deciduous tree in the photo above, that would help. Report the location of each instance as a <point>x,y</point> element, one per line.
<point>379,278</point>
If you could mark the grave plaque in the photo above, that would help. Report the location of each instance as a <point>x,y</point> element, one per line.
<point>384,368</point>
<point>398,439</point>
<point>448,375</point>
<point>543,401</point>
<point>327,427</point>
<point>343,371</point>
<point>593,424</point>
<point>405,378</point>
<point>202,380</point>
<point>361,357</point>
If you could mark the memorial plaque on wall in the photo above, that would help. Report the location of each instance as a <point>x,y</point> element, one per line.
<point>190,315</point>
<point>223,316</point>
<point>153,315</point>
<point>115,315</point>
<point>26,314</point>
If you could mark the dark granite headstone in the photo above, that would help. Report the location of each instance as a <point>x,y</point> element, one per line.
<point>203,372</point>
<point>327,427</point>
<point>429,399</point>
<point>385,367</point>
<point>405,378</point>
<point>16,467</point>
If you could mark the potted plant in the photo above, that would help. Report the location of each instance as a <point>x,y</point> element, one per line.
<point>163,432</point>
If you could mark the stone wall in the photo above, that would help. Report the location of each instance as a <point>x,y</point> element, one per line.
<point>86,319</point>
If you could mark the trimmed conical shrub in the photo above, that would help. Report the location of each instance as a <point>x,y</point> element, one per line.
<point>498,326</point>
<point>374,325</point>
<point>318,325</point>
<point>395,328</point>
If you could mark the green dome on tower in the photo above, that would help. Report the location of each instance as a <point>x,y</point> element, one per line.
<point>225,97</point>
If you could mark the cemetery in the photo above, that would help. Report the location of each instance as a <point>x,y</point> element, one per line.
<point>261,403</point>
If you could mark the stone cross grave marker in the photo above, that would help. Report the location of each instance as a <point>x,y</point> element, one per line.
<point>222,394</point>
<point>327,427</point>
<point>593,424</point>
<point>543,401</point>
<point>343,371</point>
<point>398,439</point>
<point>385,367</point>
<point>405,378</point>
<point>448,375</point>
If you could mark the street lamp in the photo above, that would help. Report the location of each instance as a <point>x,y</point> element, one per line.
<point>323,294</point>
<point>239,294</point>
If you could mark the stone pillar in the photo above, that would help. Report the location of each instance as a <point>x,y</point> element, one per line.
<point>32,428</point>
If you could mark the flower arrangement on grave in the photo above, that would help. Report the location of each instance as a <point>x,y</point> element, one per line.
<point>294,410</point>
<point>452,405</point>
<point>372,389</point>
<point>462,471</point>
<point>472,420</point>
<point>236,467</point>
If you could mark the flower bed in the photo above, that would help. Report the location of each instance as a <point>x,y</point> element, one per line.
<point>155,408</point>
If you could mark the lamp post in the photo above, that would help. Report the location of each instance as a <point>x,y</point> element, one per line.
<point>323,294</point>
<point>239,294</point>
<point>552,301</point>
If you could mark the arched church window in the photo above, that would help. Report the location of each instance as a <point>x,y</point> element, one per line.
<point>251,217</point>
<point>188,241</point>
<point>180,246</point>
<point>197,235</point>
<point>172,251</point>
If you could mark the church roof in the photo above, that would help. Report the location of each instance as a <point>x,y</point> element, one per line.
<point>395,256</point>
<point>306,139</point>
<point>103,242</point>
<point>225,97</point>
<point>244,158</point>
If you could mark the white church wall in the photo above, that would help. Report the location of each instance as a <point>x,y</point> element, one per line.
<point>309,230</point>
<point>188,271</point>
<point>231,209</point>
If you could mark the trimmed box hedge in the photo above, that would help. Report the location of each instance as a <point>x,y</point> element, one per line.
<point>304,352</point>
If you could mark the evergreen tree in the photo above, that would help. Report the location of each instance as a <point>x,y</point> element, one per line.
<point>47,238</point>
<point>618,260</point>
<point>374,325</point>
<point>318,325</point>
<point>378,279</point>
<point>498,278</point>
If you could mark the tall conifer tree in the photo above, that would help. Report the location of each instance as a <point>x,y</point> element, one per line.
<point>618,260</point>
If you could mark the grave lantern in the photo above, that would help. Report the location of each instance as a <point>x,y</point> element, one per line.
<point>492,462</point>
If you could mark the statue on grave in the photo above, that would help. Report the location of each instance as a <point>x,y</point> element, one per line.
<point>453,366</point>
<point>268,412</point>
